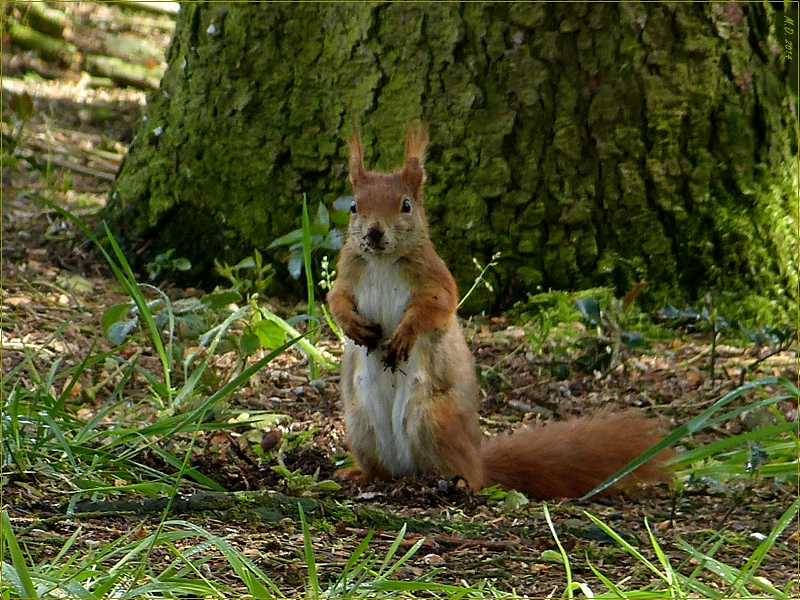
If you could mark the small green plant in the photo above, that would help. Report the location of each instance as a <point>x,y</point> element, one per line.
<point>550,320</point>
<point>302,242</point>
<point>613,339</point>
<point>510,498</point>
<point>261,314</point>
<point>480,278</point>
<point>326,283</point>
<point>164,263</point>
<point>319,235</point>
<point>249,276</point>
<point>298,484</point>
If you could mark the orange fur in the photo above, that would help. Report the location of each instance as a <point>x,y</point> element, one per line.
<point>567,459</point>
<point>408,380</point>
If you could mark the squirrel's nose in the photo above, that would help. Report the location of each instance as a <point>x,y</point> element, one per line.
<point>375,234</point>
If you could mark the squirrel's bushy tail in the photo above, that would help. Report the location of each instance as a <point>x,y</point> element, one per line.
<point>570,458</point>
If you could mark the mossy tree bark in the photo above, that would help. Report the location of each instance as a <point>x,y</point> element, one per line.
<point>592,144</point>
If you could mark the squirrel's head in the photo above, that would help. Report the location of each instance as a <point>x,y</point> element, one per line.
<point>387,215</point>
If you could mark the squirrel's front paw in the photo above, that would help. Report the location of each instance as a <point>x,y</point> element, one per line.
<point>396,350</point>
<point>365,334</point>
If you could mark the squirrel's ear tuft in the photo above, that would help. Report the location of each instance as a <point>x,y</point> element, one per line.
<point>357,170</point>
<point>416,142</point>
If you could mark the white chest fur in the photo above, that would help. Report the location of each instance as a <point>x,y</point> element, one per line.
<point>381,296</point>
<point>383,397</point>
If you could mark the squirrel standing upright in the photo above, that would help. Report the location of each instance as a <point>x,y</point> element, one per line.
<point>408,380</point>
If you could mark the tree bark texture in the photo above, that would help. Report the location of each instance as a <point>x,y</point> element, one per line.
<point>591,144</point>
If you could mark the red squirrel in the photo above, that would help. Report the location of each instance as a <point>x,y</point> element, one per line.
<point>408,381</point>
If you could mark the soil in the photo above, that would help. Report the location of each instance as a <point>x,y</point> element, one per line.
<point>53,279</point>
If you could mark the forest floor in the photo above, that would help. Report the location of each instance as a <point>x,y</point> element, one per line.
<point>69,148</point>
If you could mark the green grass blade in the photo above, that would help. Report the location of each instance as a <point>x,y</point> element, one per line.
<point>615,591</point>
<point>190,384</point>
<point>145,312</point>
<point>749,407</point>
<point>89,430</point>
<point>691,581</point>
<point>49,381</point>
<point>303,343</point>
<point>17,559</point>
<point>714,448</point>
<point>59,435</point>
<point>127,280</point>
<point>564,555</point>
<point>403,559</point>
<point>755,560</point>
<point>669,572</point>
<point>313,367</point>
<point>213,589</point>
<point>77,372</point>
<point>627,546</point>
<point>190,471</point>
<point>390,553</point>
<point>350,570</point>
<point>258,583</point>
<point>311,562</point>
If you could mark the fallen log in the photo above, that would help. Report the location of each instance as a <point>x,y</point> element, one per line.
<point>123,73</point>
<point>131,47</point>
<point>159,8</point>
<point>264,506</point>
<point>48,47</point>
<point>47,20</point>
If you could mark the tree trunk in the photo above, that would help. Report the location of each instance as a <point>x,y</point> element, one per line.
<point>592,144</point>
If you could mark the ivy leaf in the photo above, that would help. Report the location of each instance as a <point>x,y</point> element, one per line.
<point>270,335</point>
<point>514,499</point>
<point>249,343</point>
<point>322,217</point>
<point>589,308</point>
<point>114,314</point>
<point>219,300</point>
<point>334,241</point>
<point>287,240</point>
<point>22,106</point>
<point>295,264</point>
<point>342,203</point>
<point>182,264</point>
<point>118,331</point>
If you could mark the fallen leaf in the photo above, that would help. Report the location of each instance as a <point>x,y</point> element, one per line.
<point>75,283</point>
<point>17,301</point>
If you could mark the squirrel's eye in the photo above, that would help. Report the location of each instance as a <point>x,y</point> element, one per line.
<point>353,206</point>
<point>406,205</point>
